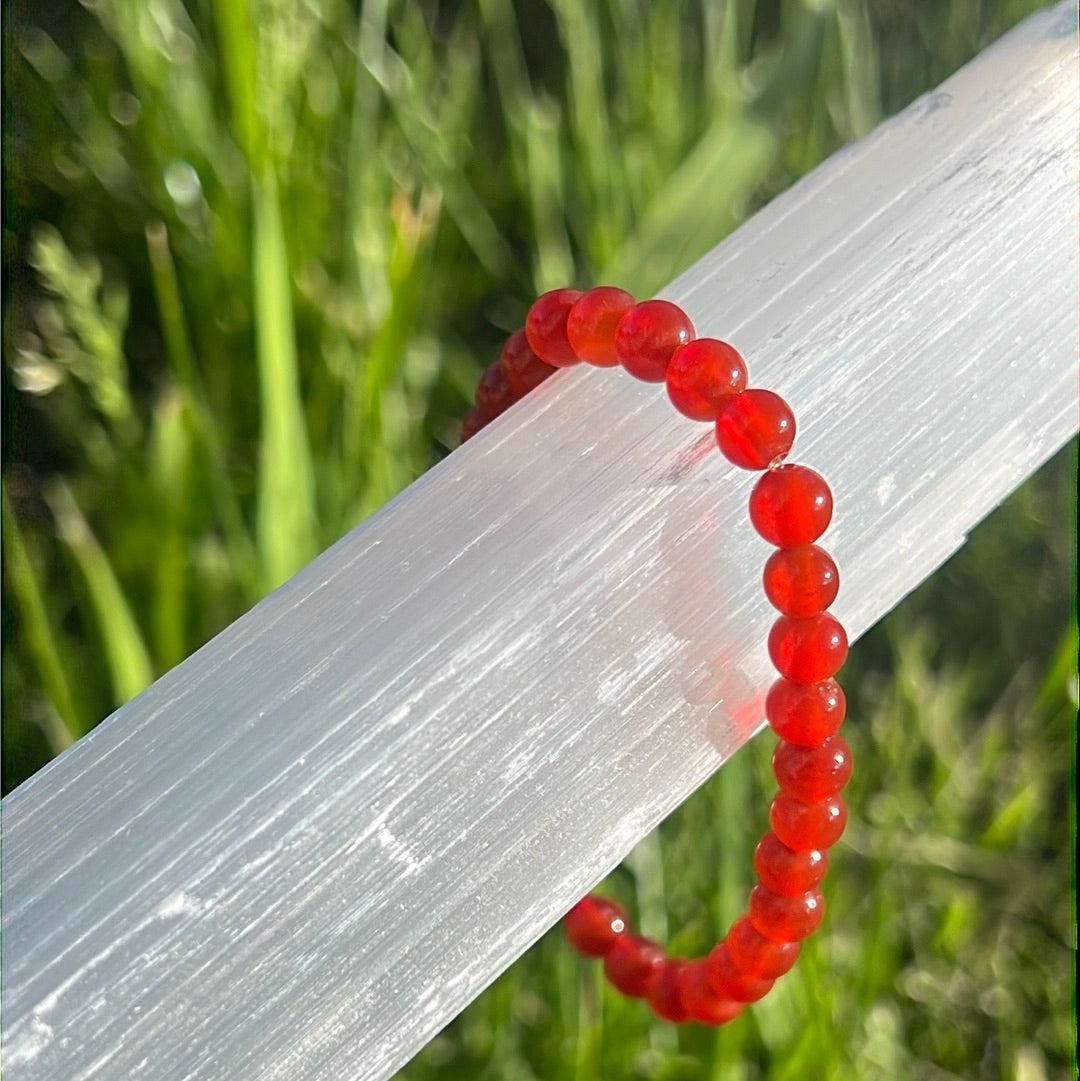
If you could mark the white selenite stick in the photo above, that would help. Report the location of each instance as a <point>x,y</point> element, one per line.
<point>301,852</point>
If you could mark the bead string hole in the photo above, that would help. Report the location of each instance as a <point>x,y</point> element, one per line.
<point>790,507</point>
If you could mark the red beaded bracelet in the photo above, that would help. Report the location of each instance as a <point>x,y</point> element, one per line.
<point>790,506</point>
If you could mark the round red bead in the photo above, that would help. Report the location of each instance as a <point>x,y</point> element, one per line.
<point>808,650</point>
<point>700,1001</point>
<point>785,871</point>
<point>630,962</point>
<point>493,395</point>
<point>755,955</point>
<point>791,506</point>
<point>523,369</point>
<point>728,982</point>
<point>593,925</point>
<point>590,326</point>
<point>647,336</point>
<point>812,774</point>
<point>801,581</point>
<point>755,429</point>
<point>545,328</point>
<point>807,714</point>
<point>702,376</point>
<point>662,991</point>
<point>804,827</point>
<point>785,919</point>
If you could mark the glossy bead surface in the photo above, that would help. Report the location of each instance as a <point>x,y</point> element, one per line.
<point>629,963</point>
<point>812,774</point>
<point>802,581</point>
<point>590,326</point>
<point>702,376</point>
<point>805,713</point>
<point>700,1001</point>
<point>593,925</point>
<point>754,429</point>
<point>545,328</point>
<point>808,650</point>
<point>522,368</point>
<point>647,336</point>
<point>728,982</point>
<point>662,991</point>
<point>493,395</point>
<point>785,919</point>
<point>785,871</point>
<point>806,826</point>
<point>755,955</point>
<point>791,506</point>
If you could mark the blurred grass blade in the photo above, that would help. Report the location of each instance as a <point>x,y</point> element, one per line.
<point>37,632</point>
<point>237,58</point>
<point>505,54</point>
<point>701,202</point>
<point>366,226</point>
<point>1059,688</point>
<point>554,260</point>
<point>285,514</point>
<point>598,158</point>
<point>286,499</point>
<point>167,292</point>
<point>371,434</point>
<point>861,75</point>
<point>125,651</point>
<point>170,467</point>
<point>181,357</point>
<point>434,95</point>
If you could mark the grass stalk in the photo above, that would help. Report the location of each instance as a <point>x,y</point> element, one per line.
<point>170,459</point>
<point>37,631</point>
<point>285,527</point>
<point>206,426</point>
<point>237,52</point>
<point>125,651</point>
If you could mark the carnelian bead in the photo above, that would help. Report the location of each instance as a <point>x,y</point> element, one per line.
<point>590,326</point>
<point>807,714</point>
<point>630,962</point>
<point>493,395</point>
<point>662,991</point>
<point>807,826</point>
<point>471,423</point>
<point>755,428</point>
<point>702,376</point>
<point>545,328</point>
<point>801,581</point>
<point>785,871</point>
<point>728,982</point>
<point>523,369</point>
<point>791,506</point>
<point>647,336</point>
<point>812,774</point>
<point>755,955</point>
<point>808,650</point>
<point>593,925</point>
<point>700,1001</point>
<point>785,919</point>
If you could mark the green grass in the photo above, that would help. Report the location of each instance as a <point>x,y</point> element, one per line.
<point>256,255</point>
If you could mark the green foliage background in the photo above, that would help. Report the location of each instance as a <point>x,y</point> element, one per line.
<point>255,256</point>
